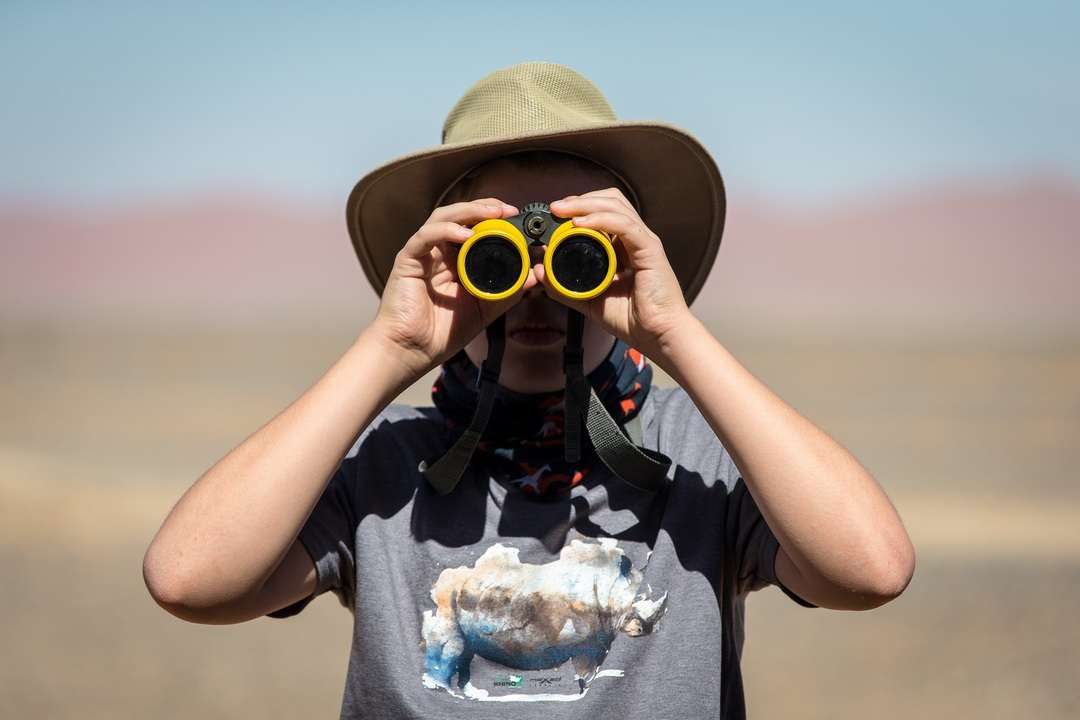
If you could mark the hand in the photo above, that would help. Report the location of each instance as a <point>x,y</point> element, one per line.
<point>424,310</point>
<point>644,303</point>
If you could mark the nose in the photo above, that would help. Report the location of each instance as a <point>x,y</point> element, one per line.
<point>536,291</point>
<point>536,255</point>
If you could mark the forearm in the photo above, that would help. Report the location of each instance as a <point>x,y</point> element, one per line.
<point>831,517</point>
<point>231,529</point>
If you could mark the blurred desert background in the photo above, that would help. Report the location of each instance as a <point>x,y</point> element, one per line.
<point>175,270</point>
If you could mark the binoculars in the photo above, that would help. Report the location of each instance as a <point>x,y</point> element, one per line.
<point>493,263</point>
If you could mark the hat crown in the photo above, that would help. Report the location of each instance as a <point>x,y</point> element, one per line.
<point>525,98</point>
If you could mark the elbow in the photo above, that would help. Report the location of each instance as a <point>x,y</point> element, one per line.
<point>163,586</point>
<point>166,586</point>
<point>888,574</point>
<point>174,594</point>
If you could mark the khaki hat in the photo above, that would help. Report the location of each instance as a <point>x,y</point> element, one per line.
<point>676,185</point>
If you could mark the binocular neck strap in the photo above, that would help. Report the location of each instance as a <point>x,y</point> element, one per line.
<point>638,466</point>
<point>446,472</point>
<point>574,398</point>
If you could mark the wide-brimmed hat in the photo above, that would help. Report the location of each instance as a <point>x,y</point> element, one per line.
<point>676,185</point>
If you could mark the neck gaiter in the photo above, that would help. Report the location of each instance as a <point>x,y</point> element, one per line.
<point>522,445</point>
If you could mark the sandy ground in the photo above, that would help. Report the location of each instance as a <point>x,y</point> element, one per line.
<point>976,443</point>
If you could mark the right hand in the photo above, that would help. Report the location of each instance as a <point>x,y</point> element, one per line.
<point>424,310</point>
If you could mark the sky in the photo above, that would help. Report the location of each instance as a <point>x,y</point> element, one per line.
<point>119,102</point>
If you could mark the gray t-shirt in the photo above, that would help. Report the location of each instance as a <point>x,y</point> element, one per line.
<point>490,602</point>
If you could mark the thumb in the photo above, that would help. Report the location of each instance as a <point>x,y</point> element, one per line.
<point>582,306</point>
<point>491,309</point>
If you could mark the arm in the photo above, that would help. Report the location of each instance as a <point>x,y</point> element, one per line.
<point>204,564</point>
<point>842,544</point>
<point>228,551</point>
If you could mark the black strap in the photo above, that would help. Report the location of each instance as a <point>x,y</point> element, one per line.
<point>445,474</point>
<point>574,398</point>
<point>637,466</point>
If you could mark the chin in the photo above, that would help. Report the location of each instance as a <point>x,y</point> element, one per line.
<point>533,369</point>
<point>533,341</point>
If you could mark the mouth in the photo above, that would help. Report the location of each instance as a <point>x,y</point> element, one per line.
<point>536,334</point>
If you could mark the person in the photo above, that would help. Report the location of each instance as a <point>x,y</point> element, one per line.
<point>560,586</point>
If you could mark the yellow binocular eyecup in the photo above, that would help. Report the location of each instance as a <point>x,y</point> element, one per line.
<point>493,263</point>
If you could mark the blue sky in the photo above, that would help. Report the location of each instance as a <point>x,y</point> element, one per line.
<point>120,101</point>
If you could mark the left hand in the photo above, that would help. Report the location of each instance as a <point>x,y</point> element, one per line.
<point>644,303</point>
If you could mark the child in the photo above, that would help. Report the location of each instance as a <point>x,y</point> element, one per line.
<point>490,566</point>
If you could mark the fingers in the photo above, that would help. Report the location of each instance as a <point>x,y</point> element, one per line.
<point>472,211</point>
<point>450,223</point>
<point>632,233</point>
<point>605,194</point>
<point>430,235</point>
<point>579,206</point>
<point>608,210</point>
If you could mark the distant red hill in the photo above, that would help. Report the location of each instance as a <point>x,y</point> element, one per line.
<point>1005,255</point>
<point>950,256</point>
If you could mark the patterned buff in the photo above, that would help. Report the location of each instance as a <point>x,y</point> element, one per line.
<point>522,444</point>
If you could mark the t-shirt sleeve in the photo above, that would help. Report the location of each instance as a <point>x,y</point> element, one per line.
<point>371,478</point>
<point>755,545</point>
<point>328,535</point>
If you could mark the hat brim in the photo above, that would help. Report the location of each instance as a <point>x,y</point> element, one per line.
<point>679,190</point>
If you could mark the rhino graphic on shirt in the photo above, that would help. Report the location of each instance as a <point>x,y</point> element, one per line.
<point>530,617</point>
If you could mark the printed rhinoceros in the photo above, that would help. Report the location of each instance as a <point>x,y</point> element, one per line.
<point>528,617</point>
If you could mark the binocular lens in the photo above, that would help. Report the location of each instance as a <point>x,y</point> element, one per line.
<point>493,264</point>
<point>580,263</point>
